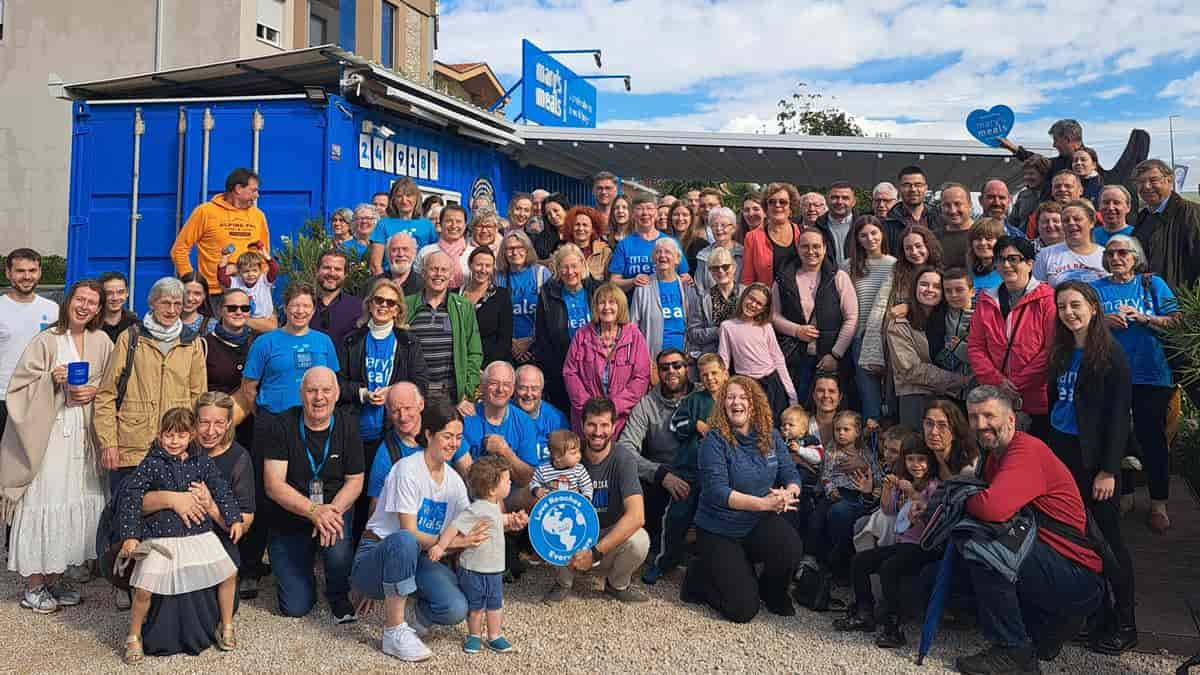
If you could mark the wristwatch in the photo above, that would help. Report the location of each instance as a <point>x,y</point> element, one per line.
<point>597,556</point>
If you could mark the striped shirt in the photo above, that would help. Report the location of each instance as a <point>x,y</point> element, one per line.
<point>575,479</point>
<point>867,288</point>
<point>433,332</point>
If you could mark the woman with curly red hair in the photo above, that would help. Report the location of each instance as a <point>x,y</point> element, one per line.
<point>748,482</point>
<point>584,227</point>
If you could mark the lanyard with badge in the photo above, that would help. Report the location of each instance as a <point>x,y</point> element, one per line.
<point>316,487</point>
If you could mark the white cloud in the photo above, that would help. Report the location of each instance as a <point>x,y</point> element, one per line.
<point>1109,94</point>
<point>1186,90</point>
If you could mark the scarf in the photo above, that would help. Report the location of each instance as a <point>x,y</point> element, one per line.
<point>159,332</point>
<point>234,339</point>
<point>455,250</point>
<point>378,331</point>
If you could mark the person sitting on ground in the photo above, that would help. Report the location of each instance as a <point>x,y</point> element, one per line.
<point>748,482</point>
<point>562,470</point>
<point>905,496</point>
<point>849,475</point>
<point>622,544</point>
<point>480,568</point>
<point>175,557</point>
<point>689,423</point>
<point>1059,585</point>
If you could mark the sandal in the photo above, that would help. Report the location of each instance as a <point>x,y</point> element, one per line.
<point>133,650</point>
<point>226,640</point>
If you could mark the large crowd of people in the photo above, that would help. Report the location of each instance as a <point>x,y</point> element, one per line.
<point>773,394</point>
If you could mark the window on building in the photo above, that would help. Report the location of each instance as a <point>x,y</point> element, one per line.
<point>270,22</point>
<point>317,30</point>
<point>387,36</point>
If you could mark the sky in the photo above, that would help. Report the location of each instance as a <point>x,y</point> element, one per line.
<point>907,68</point>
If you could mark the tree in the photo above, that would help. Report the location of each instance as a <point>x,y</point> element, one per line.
<point>804,114</point>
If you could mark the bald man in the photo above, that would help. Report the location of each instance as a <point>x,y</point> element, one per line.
<point>312,474</point>
<point>404,405</point>
<point>444,323</point>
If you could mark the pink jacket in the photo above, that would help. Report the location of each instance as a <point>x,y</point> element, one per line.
<point>628,378</point>
<point>1031,326</point>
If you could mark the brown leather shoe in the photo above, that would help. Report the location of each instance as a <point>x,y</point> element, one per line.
<point>1158,522</point>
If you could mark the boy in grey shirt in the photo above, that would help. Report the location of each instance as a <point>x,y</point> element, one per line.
<point>481,568</point>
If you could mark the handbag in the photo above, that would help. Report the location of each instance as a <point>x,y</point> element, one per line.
<point>1024,419</point>
<point>812,589</point>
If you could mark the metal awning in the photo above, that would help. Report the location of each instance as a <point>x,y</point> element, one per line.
<point>762,158</point>
<point>328,67</point>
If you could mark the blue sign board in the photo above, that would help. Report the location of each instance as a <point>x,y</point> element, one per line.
<point>552,95</point>
<point>561,524</point>
<point>988,126</point>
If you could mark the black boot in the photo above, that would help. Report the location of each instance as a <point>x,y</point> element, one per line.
<point>856,620</point>
<point>1115,642</point>
<point>997,660</point>
<point>892,636</point>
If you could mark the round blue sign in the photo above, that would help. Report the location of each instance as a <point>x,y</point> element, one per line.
<point>562,523</point>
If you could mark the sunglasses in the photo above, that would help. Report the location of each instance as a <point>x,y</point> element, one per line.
<point>778,202</point>
<point>1013,260</point>
<point>383,302</point>
<point>672,365</point>
<point>720,268</point>
<point>237,308</point>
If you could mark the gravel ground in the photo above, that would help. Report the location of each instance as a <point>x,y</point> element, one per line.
<point>587,633</point>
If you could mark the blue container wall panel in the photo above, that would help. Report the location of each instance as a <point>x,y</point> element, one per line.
<point>291,146</point>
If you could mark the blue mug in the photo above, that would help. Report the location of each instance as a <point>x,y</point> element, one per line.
<point>77,373</point>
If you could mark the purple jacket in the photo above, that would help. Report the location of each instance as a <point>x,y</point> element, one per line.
<point>628,372</point>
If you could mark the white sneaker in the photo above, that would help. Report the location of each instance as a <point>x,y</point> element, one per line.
<point>403,643</point>
<point>412,617</point>
<point>39,600</point>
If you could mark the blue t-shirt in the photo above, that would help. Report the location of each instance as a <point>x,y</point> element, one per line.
<point>1101,235</point>
<point>983,282</point>
<point>517,429</point>
<point>670,297</point>
<point>382,463</point>
<point>421,229</point>
<point>1143,348</point>
<point>633,256</point>
<point>579,311</point>
<point>355,249</point>
<point>523,290</point>
<point>278,360</point>
<point>380,358</point>
<point>549,420</point>
<point>1062,417</point>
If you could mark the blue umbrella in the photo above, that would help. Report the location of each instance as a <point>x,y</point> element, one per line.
<point>937,601</point>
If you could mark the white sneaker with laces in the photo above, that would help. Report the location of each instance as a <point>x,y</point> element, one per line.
<point>39,600</point>
<point>412,617</point>
<point>403,643</point>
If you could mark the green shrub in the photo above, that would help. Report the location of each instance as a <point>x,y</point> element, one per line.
<point>298,258</point>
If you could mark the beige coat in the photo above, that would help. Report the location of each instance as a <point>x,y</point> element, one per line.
<point>597,262</point>
<point>32,407</point>
<point>912,370</point>
<point>158,383</point>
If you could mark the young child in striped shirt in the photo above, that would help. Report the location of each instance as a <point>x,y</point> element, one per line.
<point>564,471</point>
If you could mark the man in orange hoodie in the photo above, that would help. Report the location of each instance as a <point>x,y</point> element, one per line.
<point>230,220</point>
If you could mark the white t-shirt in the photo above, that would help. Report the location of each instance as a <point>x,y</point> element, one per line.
<point>261,303</point>
<point>20,322</point>
<point>1058,263</point>
<point>410,489</point>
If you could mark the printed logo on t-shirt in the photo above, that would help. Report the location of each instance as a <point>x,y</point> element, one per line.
<point>304,360</point>
<point>600,495</point>
<point>431,517</point>
<point>639,264</point>
<point>672,312</point>
<point>524,308</point>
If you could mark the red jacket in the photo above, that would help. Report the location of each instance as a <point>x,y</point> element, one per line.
<point>1029,473</point>
<point>628,378</point>
<point>757,256</point>
<point>1030,325</point>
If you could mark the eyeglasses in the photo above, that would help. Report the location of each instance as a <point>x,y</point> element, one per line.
<point>1118,252</point>
<point>939,425</point>
<point>381,301</point>
<point>1012,260</point>
<point>672,365</point>
<point>237,308</point>
<point>778,202</point>
<point>1153,182</point>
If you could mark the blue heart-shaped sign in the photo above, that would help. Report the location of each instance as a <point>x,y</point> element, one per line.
<point>989,125</point>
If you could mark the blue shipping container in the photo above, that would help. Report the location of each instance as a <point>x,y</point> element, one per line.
<point>309,160</point>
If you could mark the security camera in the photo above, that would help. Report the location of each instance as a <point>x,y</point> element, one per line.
<point>628,85</point>
<point>385,132</point>
<point>597,57</point>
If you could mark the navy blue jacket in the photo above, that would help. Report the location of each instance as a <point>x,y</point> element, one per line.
<point>162,472</point>
<point>725,468</point>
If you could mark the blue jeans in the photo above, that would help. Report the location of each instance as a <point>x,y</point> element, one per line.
<point>397,566</point>
<point>1049,589</point>
<point>292,562</point>
<point>831,529</point>
<point>869,392</point>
